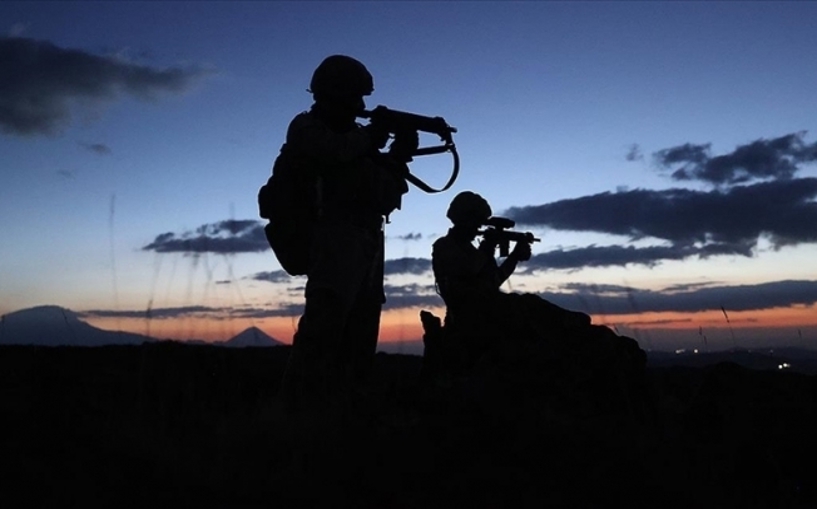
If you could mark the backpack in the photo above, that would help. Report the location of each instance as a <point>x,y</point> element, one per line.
<point>289,200</point>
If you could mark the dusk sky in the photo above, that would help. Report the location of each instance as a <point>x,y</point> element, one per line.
<point>664,152</point>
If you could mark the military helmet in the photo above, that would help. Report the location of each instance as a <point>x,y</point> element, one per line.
<point>340,75</point>
<point>468,207</point>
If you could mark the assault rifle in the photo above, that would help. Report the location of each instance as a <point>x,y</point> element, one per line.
<point>496,230</point>
<point>395,122</point>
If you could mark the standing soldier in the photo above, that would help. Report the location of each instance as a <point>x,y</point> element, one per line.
<point>354,187</point>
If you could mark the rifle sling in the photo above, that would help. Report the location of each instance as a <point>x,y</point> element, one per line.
<point>419,184</point>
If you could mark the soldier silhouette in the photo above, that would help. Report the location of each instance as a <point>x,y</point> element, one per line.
<point>479,315</point>
<point>487,329</point>
<point>355,187</point>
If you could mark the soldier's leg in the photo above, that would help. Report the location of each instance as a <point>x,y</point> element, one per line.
<point>314,347</point>
<point>543,314</point>
<point>359,342</point>
<point>336,268</point>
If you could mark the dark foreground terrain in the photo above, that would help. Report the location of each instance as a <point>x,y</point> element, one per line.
<point>169,425</point>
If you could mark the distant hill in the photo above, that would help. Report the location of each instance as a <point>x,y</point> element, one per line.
<point>57,326</point>
<point>252,336</point>
<point>782,358</point>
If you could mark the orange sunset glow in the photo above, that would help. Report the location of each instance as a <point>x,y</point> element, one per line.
<point>404,324</point>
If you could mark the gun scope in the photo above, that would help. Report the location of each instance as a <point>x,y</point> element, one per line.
<point>500,222</point>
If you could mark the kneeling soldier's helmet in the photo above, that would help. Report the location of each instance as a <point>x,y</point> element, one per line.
<point>468,207</point>
<point>341,76</point>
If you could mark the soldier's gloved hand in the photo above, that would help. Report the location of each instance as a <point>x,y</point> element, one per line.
<point>489,242</point>
<point>377,135</point>
<point>521,251</point>
<point>404,145</point>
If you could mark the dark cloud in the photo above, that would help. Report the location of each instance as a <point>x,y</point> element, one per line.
<point>415,266</point>
<point>778,158</point>
<point>598,256</point>
<point>634,153</point>
<point>413,301</point>
<point>778,294</point>
<point>410,236</point>
<point>38,80</point>
<point>284,309</point>
<point>411,296</point>
<point>275,276</point>
<point>620,256</point>
<point>66,173</point>
<point>408,289</point>
<point>225,237</point>
<point>702,223</point>
<point>685,287</point>
<point>155,314</point>
<point>97,148</point>
<point>686,153</point>
<point>598,289</point>
<point>728,220</point>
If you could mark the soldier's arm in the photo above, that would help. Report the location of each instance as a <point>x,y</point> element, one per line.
<point>505,270</point>
<point>521,252</point>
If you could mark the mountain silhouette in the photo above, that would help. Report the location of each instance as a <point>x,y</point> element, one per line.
<point>57,326</point>
<point>253,336</point>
